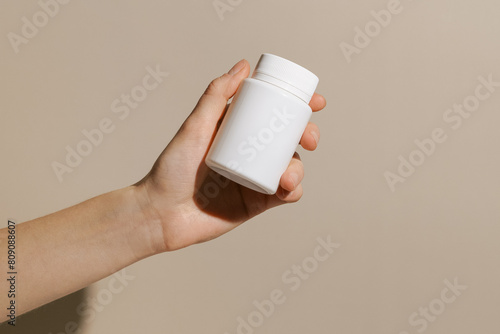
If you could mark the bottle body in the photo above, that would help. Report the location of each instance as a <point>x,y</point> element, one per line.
<point>259,135</point>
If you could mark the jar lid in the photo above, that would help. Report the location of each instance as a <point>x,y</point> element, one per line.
<point>286,75</point>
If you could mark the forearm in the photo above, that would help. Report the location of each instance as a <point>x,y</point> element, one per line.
<point>70,249</point>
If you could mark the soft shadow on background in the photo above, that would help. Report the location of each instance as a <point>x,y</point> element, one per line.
<point>53,318</point>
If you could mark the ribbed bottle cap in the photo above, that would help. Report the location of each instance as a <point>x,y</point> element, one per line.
<point>286,75</point>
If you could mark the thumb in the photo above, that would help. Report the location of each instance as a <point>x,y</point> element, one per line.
<point>213,101</point>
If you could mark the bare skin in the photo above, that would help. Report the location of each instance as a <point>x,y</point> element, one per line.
<point>82,244</point>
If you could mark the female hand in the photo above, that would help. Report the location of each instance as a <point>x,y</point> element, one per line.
<point>187,202</point>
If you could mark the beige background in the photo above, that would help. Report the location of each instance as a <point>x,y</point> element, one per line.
<point>397,248</point>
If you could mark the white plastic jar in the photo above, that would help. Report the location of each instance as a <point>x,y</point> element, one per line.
<point>263,125</point>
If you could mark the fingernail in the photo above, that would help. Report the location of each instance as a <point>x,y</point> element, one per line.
<point>237,67</point>
<point>315,136</point>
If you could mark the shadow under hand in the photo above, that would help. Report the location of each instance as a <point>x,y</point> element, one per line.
<point>225,199</point>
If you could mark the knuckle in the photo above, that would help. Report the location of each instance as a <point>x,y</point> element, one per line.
<point>212,87</point>
<point>215,85</point>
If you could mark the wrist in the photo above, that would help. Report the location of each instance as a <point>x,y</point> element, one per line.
<point>141,227</point>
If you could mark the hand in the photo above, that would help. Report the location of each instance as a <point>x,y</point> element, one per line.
<point>185,201</point>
